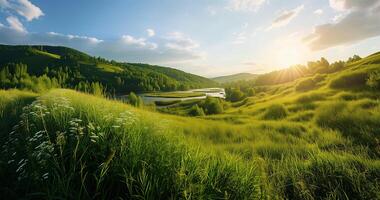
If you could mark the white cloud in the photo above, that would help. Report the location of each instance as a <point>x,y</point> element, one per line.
<point>338,17</point>
<point>179,41</point>
<point>138,42</point>
<point>286,17</point>
<point>318,12</point>
<point>134,41</point>
<point>342,5</point>
<point>175,47</point>
<point>69,37</point>
<point>150,32</point>
<point>359,21</point>
<point>15,24</point>
<point>245,5</point>
<point>22,7</point>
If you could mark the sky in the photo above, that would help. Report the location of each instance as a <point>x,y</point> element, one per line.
<point>205,37</point>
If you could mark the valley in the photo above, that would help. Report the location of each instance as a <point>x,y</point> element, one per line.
<point>311,135</point>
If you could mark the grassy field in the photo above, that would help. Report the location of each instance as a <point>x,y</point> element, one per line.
<point>313,138</point>
<point>175,94</point>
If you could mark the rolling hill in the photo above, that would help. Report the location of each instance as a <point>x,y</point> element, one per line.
<point>310,134</point>
<point>72,68</point>
<point>311,137</point>
<point>235,77</point>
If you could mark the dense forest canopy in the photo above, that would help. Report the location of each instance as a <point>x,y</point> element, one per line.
<point>42,67</point>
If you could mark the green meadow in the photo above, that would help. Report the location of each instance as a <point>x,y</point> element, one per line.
<point>313,136</point>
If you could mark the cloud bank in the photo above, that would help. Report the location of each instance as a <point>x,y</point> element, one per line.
<point>361,22</point>
<point>174,47</point>
<point>22,7</point>
<point>286,17</point>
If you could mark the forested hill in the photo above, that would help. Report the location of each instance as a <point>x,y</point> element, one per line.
<point>42,67</point>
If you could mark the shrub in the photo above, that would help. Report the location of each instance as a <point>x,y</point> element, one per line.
<point>166,103</point>
<point>350,80</point>
<point>135,100</point>
<point>275,111</point>
<point>212,106</point>
<point>348,96</point>
<point>251,92</point>
<point>308,98</point>
<point>196,111</point>
<point>373,80</point>
<point>310,83</point>
<point>235,95</point>
<point>306,84</point>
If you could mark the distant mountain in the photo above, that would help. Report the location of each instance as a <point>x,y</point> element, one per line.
<point>235,77</point>
<point>72,67</point>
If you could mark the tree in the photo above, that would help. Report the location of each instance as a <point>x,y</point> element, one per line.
<point>324,63</point>
<point>196,111</point>
<point>97,89</point>
<point>212,106</point>
<point>135,100</point>
<point>235,95</point>
<point>337,66</point>
<point>354,59</point>
<point>251,92</point>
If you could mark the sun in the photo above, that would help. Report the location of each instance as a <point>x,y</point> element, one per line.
<point>289,56</point>
<point>289,52</point>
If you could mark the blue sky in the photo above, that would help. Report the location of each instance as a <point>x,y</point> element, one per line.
<point>208,37</point>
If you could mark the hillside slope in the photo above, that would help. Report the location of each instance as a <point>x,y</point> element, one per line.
<point>316,137</point>
<point>235,77</point>
<point>71,67</point>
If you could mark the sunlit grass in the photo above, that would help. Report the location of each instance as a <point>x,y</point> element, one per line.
<point>316,142</point>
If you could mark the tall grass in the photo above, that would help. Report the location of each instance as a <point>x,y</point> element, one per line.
<point>64,147</point>
<point>275,111</point>
<point>315,145</point>
<point>327,176</point>
<point>353,121</point>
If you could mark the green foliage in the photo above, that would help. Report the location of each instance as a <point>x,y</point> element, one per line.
<point>251,92</point>
<point>328,177</point>
<point>196,111</point>
<point>337,66</point>
<point>309,98</point>
<point>310,83</point>
<point>235,77</point>
<point>282,76</point>
<point>350,80</point>
<point>75,149</point>
<point>320,66</point>
<point>275,111</point>
<point>320,144</point>
<point>135,100</point>
<point>17,76</point>
<point>353,121</point>
<point>354,59</point>
<point>70,67</point>
<point>176,94</point>
<point>212,106</point>
<point>234,95</point>
<point>373,80</point>
<point>166,103</point>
